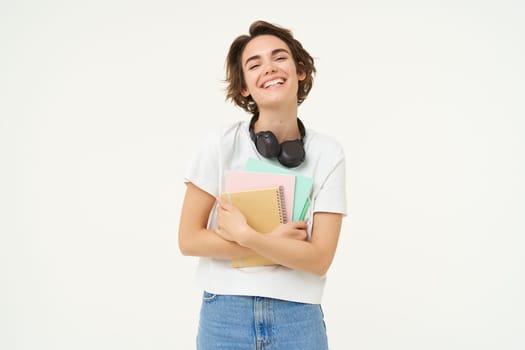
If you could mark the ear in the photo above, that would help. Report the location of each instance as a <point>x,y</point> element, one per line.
<point>244,92</point>
<point>301,74</point>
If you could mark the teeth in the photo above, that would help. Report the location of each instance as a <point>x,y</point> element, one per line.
<point>273,82</point>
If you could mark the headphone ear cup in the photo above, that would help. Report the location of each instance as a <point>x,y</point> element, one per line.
<point>292,153</point>
<point>267,144</point>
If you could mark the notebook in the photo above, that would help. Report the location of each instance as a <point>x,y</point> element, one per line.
<point>303,185</point>
<point>264,211</point>
<point>236,181</point>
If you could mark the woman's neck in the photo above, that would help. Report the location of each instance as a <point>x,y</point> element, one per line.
<point>282,122</point>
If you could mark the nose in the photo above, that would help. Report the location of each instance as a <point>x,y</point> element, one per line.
<point>270,68</point>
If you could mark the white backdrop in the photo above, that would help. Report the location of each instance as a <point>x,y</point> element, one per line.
<point>103,102</point>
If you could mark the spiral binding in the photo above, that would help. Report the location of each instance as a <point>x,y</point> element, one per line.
<point>282,205</point>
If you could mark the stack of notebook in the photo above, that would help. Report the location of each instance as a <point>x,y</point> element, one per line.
<point>268,196</point>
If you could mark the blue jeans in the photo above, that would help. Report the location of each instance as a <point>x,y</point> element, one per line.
<point>232,322</point>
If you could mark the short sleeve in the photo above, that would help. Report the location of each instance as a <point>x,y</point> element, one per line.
<point>203,171</point>
<point>331,196</point>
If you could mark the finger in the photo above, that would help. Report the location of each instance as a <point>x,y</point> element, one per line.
<point>224,204</point>
<point>299,225</point>
<point>301,235</point>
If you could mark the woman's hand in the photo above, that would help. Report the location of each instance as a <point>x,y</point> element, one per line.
<point>293,230</point>
<point>231,223</point>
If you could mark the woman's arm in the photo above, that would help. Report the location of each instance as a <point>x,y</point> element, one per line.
<point>313,256</point>
<point>194,238</point>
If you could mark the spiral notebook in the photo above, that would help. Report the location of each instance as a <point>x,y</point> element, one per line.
<point>236,180</point>
<point>264,210</point>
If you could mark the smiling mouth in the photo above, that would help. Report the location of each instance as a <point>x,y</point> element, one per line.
<point>273,83</point>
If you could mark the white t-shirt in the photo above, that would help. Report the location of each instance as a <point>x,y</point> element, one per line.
<point>229,149</point>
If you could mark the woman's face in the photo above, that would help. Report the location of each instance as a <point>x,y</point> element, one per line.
<point>270,72</point>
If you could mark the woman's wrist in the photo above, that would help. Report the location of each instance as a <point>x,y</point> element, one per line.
<point>246,236</point>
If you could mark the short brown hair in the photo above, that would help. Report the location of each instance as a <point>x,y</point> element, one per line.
<point>234,74</point>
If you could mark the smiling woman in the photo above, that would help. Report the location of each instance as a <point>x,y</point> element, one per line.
<point>269,74</point>
<point>287,48</point>
<point>271,77</point>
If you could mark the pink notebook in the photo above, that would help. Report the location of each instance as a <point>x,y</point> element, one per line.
<point>236,181</point>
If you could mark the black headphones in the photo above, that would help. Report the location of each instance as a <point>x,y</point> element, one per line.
<point>289,153</point>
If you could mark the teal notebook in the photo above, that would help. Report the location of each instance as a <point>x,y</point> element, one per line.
<point>303,185</point>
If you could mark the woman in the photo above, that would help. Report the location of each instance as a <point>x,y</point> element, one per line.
<point>269,74</point>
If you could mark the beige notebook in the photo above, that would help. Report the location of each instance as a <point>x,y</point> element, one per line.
<point>264,211</point>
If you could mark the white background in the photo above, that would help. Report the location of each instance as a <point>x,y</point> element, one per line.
<point>102,104</point>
